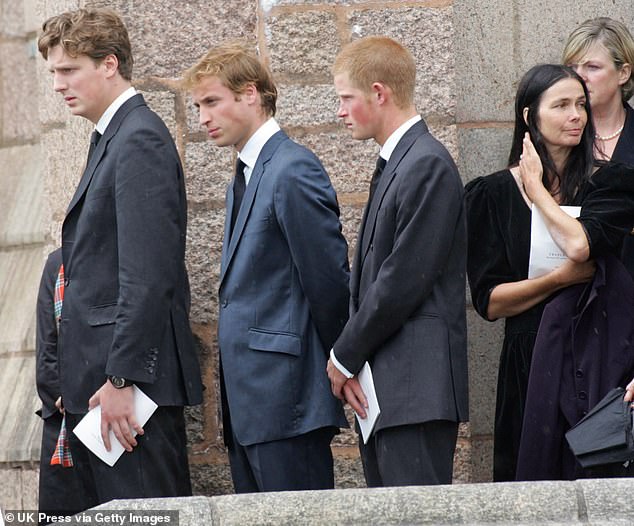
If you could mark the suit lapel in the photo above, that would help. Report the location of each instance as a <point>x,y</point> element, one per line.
<point>368,226</point>
<point>230,244</point>
<point>356,264</point>
<point>100,150</point>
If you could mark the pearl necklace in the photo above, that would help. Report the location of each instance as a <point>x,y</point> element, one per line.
<point>609,137</point>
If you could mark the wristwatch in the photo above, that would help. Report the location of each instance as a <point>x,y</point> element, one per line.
<point>119,382</point>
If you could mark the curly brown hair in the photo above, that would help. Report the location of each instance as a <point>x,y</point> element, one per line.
<point>95,33</point>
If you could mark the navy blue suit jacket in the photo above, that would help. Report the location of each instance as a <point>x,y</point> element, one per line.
<point>283,297</point>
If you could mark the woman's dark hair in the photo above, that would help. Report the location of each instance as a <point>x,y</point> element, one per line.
<point>529,94</point>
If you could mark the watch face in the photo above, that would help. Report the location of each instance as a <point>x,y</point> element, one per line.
<point>117,381</point>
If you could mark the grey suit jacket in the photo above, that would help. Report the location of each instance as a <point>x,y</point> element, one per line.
<point>283,297</point>
<point>126,301</point>
<point>407,306</point>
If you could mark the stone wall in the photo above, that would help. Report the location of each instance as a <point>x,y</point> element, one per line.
<point>22,239</point>
<point>469,55</point>
<point>588,502</point>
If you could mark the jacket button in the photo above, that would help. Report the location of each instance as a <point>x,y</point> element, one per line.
<point>583,395</point>
<point>66,282</point>
<point>579,373</point>
<point>225,302</point>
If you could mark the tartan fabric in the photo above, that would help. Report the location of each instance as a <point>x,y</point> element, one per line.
<point>61,455</point>
<point>59,294</point>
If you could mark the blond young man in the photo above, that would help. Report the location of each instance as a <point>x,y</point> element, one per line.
<point>407,305</point>
<point>124,319</point>
<point>283,291</point>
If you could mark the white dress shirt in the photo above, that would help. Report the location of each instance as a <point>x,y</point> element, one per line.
<point>251,151</point>
<point>105,119</point>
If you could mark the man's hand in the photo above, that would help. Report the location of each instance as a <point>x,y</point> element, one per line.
<point>337,379</point>
<point>117,412</point>
<point>347,389</point>
<point>355,396</point>
<point>629,392</point>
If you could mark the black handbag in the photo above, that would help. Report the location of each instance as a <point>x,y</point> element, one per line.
<point>604,435</point>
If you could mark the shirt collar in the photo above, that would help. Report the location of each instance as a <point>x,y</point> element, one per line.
<point>105,119</point>
<point>251,151</point>
<point>388,147</point>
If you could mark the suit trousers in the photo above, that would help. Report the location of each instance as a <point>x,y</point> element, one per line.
<point>410,455</point>
<point>303,462</point>
<point>157,467</point>
<point>58,486</point>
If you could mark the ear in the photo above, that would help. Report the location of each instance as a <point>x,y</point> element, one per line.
<point>525,114</point>
<point>250,93</point>
<point>111,64</point>
<point>625,73</point>
<point>380,92</point>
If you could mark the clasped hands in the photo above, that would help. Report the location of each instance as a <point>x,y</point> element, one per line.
<point>117,413</point>
<point>347,389</point>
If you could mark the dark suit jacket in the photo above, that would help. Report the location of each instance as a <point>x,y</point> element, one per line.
<point>624,150</point>
<point>126,298</point>
<point>283,297</point>
<point>624,153</point>
<point>407,308</point>
<point>46,374</point>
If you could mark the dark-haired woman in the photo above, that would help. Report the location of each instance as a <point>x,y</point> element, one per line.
<point>550,164</point>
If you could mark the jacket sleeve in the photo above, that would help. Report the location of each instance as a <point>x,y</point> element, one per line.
<point>307,210</point>
<point>150,245</point>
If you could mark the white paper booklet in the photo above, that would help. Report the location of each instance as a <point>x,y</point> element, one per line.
<point>372,412</point>
<point>545,254</point>
<point>88,430</point>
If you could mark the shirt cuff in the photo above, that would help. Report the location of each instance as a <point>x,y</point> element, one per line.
<point>340,367</point>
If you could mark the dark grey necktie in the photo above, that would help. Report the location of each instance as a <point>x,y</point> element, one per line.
<point>239,186</point>
<point>376,176</point>
<point>94,140</point>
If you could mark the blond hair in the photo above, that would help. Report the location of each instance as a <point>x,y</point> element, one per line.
<point>379,59</point>
<point>95,33</point>
<point>236,67</point>
<point>613,35</point>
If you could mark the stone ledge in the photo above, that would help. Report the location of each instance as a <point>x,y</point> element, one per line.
<point>595,502</point>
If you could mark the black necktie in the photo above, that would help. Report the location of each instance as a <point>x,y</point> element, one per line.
<point>239,186</point>
<point>94,140</point>
<point>376,176</point>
